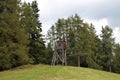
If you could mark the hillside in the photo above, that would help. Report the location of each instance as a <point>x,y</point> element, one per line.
<point>44,72</point>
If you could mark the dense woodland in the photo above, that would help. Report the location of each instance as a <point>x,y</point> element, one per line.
<point>84,47</point>
<point>21,41</point>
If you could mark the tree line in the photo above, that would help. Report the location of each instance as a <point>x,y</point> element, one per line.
<point>21,39</point>
<point>84,47</point>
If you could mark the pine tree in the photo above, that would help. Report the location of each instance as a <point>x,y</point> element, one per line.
<point>91,45</point>
<point>49,54</point>
<point>80,38</point>
<point>13,39</point>
<point>32,25</point>
<point>117,58</point>
<point>107,48</point>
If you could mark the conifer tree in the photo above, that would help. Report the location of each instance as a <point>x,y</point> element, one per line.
<point>13,38</point>
<point>32,25</point>
<point>116,59</point>
<point>107,48</point>
<point>80,38</point>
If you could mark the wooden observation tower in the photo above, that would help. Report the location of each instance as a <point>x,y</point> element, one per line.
<point>59,55</point>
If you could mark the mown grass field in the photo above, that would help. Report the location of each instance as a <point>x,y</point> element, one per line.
<point>45,72</point>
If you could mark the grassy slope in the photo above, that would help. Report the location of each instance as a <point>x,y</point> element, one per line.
<point>43,72</point>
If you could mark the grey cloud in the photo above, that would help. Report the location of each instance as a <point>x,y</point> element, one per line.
<point>109,10</point>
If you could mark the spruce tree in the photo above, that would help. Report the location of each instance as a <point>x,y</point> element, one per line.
<point>32,25</point>
<point>13,39</point>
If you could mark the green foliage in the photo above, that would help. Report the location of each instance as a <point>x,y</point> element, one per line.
<point>49,54</point>
<point>107,47</point>
<point>13,39</point>
<point>32,25</point>
<point>84,47</point>
<point>21,40</point>
<point>80,38</point>
<point>116,59</point>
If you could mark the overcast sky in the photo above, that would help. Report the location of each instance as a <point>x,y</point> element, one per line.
<point>98,12</point>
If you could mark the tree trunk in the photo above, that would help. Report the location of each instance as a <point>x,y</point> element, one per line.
<point>78,61</point>
<point>110,68</point>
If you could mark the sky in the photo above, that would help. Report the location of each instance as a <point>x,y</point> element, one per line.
<point>97,12</point>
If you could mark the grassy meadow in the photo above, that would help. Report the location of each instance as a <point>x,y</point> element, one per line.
<point>45,72</point>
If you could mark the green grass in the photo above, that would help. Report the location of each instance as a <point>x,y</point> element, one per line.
<point>45,72</point>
